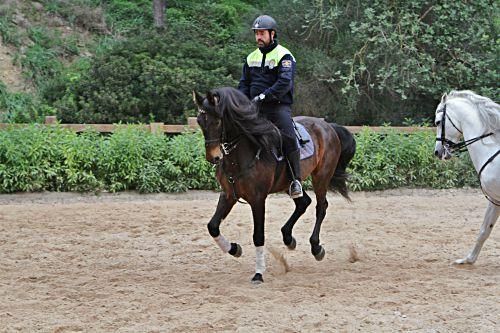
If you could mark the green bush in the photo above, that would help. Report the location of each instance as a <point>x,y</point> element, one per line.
<point>37,158</point>
<point>142,79</point>
<point>395,159</point>
<point>21,107</point>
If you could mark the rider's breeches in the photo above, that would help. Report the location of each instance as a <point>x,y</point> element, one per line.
<point>281,116</point>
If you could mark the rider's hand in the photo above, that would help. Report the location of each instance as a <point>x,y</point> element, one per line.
<point>258,99</point>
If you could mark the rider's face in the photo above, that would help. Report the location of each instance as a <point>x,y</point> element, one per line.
<point>263,37</point>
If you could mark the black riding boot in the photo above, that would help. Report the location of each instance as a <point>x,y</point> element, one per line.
<point>293,159</point>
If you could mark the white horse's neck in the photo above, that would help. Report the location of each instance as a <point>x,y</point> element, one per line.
<point>465,116</point>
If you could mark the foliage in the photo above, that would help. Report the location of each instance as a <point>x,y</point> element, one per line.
<point>82,13</point>
<point>383,61</point>
<point>143,79</point>
<point>37,158</point>
<point>21,107</point>
<point>358,61</point>
<point>395,159</point>
<point>127,17</point>
<point>150,75</point>
<point>8,31</point>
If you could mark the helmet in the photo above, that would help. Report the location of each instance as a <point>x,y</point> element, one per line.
<point>264,22</point>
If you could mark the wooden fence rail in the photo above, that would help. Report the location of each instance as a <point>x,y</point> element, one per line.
<point>192,126</point>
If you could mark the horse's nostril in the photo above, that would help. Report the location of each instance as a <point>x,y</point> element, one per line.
<point>216,159</point>
<point>436,153</point>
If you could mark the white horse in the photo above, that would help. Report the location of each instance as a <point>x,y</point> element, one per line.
<point>476,119</point>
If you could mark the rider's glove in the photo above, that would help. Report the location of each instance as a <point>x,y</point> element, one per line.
<point>258,99</point>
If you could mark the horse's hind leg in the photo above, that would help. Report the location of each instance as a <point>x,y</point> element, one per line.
<point>224,206</point>
<point>321,205</point>
<point>490,218</point>
<point>301,205</point>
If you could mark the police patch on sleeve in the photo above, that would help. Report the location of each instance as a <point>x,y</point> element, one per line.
<point>286,63</point>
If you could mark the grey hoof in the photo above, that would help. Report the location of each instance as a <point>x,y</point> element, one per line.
<point>320,255</point>
<point>235,250</point>
<point>292,245</point>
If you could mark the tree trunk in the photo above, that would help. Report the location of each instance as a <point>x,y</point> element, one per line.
<point>159,7</point>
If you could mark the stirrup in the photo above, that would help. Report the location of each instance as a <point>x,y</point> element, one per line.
<point>297,192</point>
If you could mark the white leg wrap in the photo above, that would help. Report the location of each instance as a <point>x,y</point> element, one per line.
<point>223,243</point>
<point>260,260</point>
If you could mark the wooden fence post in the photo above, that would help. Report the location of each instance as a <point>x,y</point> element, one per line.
<point>50,120</point>
<point>192,123</point>
<point>156,127</point>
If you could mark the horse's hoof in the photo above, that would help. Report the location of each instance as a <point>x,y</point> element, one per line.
<point>235,250</point>
<point>257,278</point>
<point>292,245</point>
<point>463,261</point>
<point>320,255</point>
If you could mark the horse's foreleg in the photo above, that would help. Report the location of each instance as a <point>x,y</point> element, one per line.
<point>301,205</point>
<point>316,249</point>
<point>258,211</point>
<point>223,208</point>
<point>490,218</point>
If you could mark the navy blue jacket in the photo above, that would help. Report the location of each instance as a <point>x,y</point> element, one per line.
<point>269,71</point>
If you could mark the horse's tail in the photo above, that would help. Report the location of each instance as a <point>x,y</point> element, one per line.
<point>348,148</point>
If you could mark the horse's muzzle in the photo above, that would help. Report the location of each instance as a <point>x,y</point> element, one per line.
<point>215,160</point>
<point>213,154</point>
<point>442,153</point>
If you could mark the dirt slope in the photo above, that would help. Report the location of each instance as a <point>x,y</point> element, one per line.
<point>10,74</point>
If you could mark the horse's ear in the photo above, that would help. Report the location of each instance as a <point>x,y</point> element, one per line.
<point>443,98</point>
<point>197,98</point>
<point>213,98</point>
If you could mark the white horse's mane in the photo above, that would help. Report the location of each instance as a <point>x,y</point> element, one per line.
<point>488,111</point>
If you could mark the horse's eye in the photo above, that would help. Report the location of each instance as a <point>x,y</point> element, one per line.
<point>438,122</point>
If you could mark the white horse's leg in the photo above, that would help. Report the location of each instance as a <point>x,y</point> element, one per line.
<point>490,219</point>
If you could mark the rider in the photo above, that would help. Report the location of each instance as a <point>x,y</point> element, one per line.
<point>267,80</point>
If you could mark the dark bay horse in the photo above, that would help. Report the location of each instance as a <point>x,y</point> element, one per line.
<point>241,143</point>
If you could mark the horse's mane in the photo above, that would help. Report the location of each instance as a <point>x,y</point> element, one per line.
<point>240,115</point>
<point>488,111</point>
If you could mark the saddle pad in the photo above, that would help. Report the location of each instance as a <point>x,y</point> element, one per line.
<point>307,144</point>
<point>304,141</point>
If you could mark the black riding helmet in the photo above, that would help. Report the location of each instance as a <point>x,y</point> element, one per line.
<point>265,22</point>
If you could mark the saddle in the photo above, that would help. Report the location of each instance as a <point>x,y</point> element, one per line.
<point>304,141</point>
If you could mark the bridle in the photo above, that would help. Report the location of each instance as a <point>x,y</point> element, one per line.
<point>458,147</point>
<point>455,147</point>
<point>226,146</point>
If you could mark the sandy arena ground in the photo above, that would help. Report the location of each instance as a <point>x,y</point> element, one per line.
<point>145,263</point>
